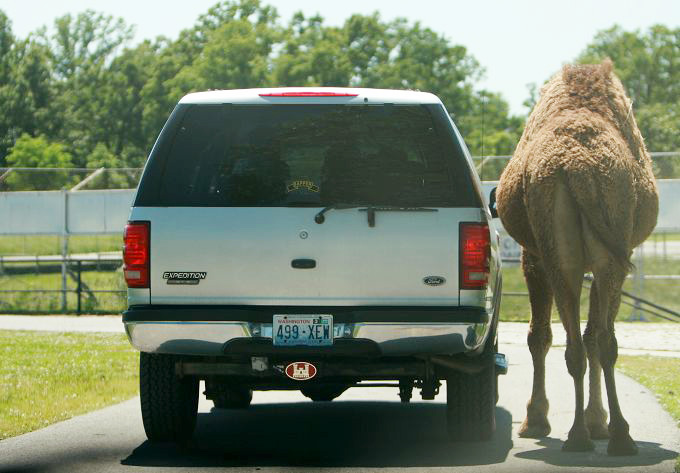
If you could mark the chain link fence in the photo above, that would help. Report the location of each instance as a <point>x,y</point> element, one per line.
<point>666,166</point>
<point>35,284</point>
<point>74,179</point>
<point>76,270</point>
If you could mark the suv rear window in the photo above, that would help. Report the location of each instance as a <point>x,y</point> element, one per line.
<point>308,155</point>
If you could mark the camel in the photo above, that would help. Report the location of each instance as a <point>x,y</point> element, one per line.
<point>578,195</point>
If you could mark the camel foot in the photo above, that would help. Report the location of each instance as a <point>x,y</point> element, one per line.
<point>534,430</point>
<point>598,431</point>
<point>621,445</point>
<point>578,442</point>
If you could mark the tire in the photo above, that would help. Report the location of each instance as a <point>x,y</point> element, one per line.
<point>471,404</point>
<point>233,398</point>
<point>324,393</point>
<point>169,404</point>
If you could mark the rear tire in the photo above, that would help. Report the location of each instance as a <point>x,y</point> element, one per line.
<point>169,403</point>
<point>471,404</point>
<point>324,393</point>
<point>233,398</point>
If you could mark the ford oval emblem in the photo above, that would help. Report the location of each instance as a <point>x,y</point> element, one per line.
<point>434,280</point>
<point>300,371</point>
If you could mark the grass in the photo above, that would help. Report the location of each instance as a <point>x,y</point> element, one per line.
<point>659,375</point>
<point>658,238</point>
<point>49,377</point>
<point>50,302</point>
<point>52,245</point>
<point>513,308</point>
<point>516,308</point>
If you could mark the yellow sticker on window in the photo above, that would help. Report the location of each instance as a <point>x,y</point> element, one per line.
<point>305,184</point>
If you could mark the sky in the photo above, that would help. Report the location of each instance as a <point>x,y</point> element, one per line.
<point>518,42</point>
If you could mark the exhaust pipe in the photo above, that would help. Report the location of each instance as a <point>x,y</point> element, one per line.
<point>471,366</point>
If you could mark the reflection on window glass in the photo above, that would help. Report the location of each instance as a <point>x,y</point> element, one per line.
<point>315,155</point>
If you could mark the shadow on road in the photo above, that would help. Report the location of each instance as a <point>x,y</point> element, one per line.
<point>650,453</point>
<point>338,434</point>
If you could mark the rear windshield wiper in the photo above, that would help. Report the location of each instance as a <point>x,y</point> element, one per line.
<point>320,218</point>
<point>371,210</point>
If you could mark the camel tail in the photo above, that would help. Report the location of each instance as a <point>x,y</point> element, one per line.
<point>600,217</point>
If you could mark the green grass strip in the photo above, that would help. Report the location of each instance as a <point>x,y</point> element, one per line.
<point>46,377</point>
<point>52,244</point>
<point>659,375</point>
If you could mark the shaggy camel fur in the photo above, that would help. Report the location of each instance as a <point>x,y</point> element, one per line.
<point>578,195</point>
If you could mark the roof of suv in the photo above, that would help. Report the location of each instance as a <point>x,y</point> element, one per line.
<point>293,95</point>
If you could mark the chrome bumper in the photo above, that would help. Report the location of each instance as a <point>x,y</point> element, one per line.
<point>401,339</point>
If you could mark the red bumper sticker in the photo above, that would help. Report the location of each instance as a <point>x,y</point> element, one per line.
<point>300,371</point>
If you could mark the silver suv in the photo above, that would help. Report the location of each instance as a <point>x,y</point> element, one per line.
<point>313,240</point>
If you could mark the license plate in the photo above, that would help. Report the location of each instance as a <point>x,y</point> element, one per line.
<point>307,330</point>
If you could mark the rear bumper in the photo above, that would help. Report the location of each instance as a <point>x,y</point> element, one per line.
<point>365,331</point>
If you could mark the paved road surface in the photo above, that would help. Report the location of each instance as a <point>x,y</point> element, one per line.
<point>364,430</point>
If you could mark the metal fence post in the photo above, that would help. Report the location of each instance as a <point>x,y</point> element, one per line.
<point>64,255</point>
<point>639,284</point>
<point>79,288</point>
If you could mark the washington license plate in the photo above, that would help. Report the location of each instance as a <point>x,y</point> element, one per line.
<point>307,330</point>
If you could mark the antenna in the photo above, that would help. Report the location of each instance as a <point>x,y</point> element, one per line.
<point>481,165</point>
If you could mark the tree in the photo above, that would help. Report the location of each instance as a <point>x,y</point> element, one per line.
<point>367,52</point>
<point>648,64</point>
<point>6,42</point>
<point>38,152</point>
<point>86,42</point>
<point>490,130</point>
<point>77,84</point>
<point>121,128</point>
<point>25,87</point>
<point>82,49</point>
<point>312,55</point>
<point>659,124</point>
<point>184,65</point>
<point>236,54</point>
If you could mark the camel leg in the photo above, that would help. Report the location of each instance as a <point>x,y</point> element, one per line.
<point>563,252</point>
<point>567,299</point>
<point>596,415</point>
<point>539,339</point>
<point>610,282</point>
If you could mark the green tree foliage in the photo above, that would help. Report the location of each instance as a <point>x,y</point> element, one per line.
<point>24,86</point>
<point>6,42</point>
<point>490,130</point>
<point>121,128</point>
<point>79,84</point>
<point>82,49</point>
<point>648,64</point>
<point>181,66</point>
<point>366,52</point>
<point>38,152</point>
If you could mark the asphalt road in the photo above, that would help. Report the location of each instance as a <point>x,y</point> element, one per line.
<point>363,430</point>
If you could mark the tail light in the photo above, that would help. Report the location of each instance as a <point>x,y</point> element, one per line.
<point>475,252</point>
<point>136,254</point>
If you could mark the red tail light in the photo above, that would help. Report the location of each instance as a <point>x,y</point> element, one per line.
<point>309,94</point>
<point>136,254</point>
<point>475,252</point>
